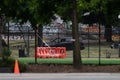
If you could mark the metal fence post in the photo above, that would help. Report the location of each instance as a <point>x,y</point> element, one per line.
<point>119,50</point>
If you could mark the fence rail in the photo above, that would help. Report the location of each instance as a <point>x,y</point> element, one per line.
<point>95,45</point>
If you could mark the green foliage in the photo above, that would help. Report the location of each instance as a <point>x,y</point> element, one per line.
<point>10,62</point>
<point>64,9</point>
<point>23,67</point>
<point>6,53</point>
<point>40,11</point>
<point>112,11</point>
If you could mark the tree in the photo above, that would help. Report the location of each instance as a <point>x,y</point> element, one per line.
<point>17,9</point>
<point>108,10</point>
<point>57,7</point>
<point>39,12</point>
<point>68,10</point>
<point>42,13</point>
<point>112,12</point>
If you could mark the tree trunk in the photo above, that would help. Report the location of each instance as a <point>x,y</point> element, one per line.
<point>108,33</point>
<point>1,29</point>
<point>76,50</point>
<point>24,39</point>
<point>0,44</point>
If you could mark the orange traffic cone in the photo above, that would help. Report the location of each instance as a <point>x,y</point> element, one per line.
<point>16,67</point>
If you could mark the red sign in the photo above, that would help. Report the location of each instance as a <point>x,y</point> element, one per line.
<point>50,52</point>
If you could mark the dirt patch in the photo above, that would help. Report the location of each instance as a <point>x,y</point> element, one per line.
<point>54,68</point>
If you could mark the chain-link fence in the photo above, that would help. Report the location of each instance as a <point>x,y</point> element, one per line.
<point>23,43</point>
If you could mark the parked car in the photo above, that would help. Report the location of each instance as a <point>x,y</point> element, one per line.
<point>115,45</point>
<point>64,42</point>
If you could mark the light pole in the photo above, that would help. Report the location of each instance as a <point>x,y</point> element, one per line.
<point>87,14</point>
<point>99,40</point>
<point>119,16</point>
<point>28,34</point>
<point>8,34</point>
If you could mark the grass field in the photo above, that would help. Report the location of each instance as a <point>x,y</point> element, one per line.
<point>92,51</point>
<point>95,61</point>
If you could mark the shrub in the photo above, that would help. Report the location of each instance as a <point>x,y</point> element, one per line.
<point>10,62</point>
<point>23,67</point>
<point>7,61</point>
<point>6,53</point>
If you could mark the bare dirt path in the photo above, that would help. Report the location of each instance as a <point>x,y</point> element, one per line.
<point>53,68</point>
